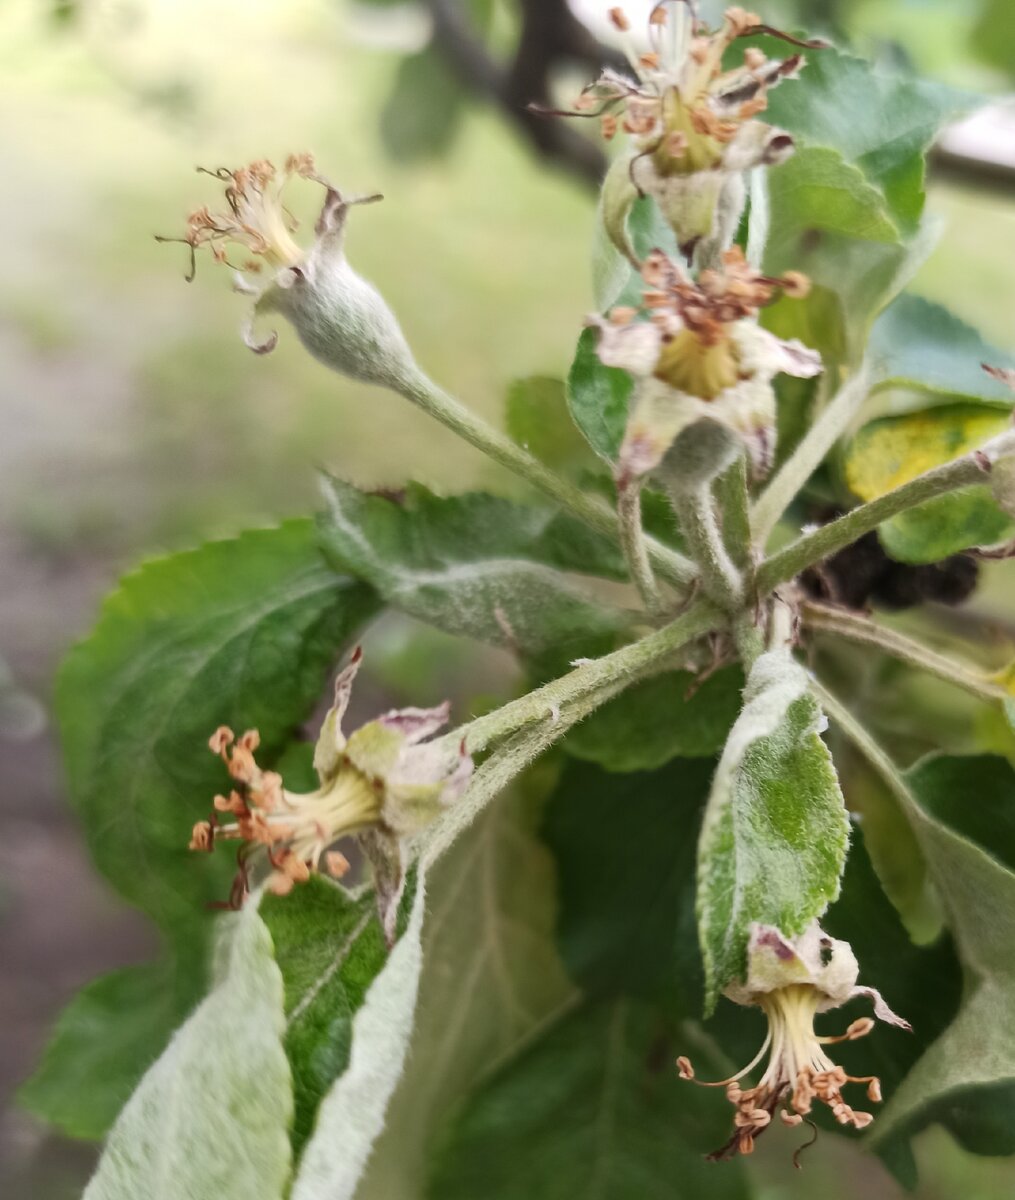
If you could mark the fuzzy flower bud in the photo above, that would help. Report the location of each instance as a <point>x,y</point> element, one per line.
<point>692,125</point>
<point>382,784</point>
<point>339,317</point>
<point>792,981</point>
<point>701,356</point>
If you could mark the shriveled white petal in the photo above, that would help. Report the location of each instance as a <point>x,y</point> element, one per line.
<point>634,347</point>
<point>762,353</point>
<point>259,345</point>
<point>415,724</point>
<point>881,1009</point>
<point>775,961</point>
<point>331,740</point>
<point>658,414</point>
<point>757,145</point>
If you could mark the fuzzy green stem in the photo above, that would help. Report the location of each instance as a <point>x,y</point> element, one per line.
<point>551,702</point>
<point>808,456</point>
<point>720,580</point>
<point>425,394</point>
<point>864,632</point>
<point>632,541</point>
<point>731,496</point>
<point>836,535</point>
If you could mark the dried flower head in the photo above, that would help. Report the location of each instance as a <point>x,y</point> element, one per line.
<point>792,981</point>
<point>340,318</point>
<point>701,356</point>
<point>692,124</point>
<point>383,782</point>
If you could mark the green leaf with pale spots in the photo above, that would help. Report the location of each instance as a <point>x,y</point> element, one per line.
<point>963,811</point>
<point>891,451</point>
<point>476,565</point>
<point>211,1117</point>
<point>593,1109</point>
<point>774,836</point>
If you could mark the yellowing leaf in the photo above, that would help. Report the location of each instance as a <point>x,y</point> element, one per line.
<point>891,452</point>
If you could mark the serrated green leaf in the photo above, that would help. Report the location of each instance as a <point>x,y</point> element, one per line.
<point>537,418</point>
<point>211,1117</point>
<point>773,841</point>
<point>826,194</point>
<point>104,1041</point>
<point>667,717</point>
<point>971,1066</point>
<point>923,355</point>
<point>240,632</point>
<point>352,1113</point>
<point>881,122</point>
<point>492,976</point>
<point>329,947</point>
<point>891,451</point>
<point>475,565</point>
<point>592,1109</point>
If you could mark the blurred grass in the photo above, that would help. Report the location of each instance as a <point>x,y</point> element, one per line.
<point>132,417</point>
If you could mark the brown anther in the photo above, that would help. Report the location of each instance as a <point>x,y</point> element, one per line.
<point>608,126</point>
<point>754,59</point>
<point>699,50</point>
<point>619,19</point>
<point>202,836</point>
<point>279,884</point>
<point>585,102</point>
<point>337,864</point>
<point>874,1091</point>
<point>746,1144</point>
<point>795,284</point>
<point>654,298</point>
<point>220,739</point>
<point>862,1119</point>
<point>790,1119</point>
<point>760,1117</point>
<point>250,740</point>
<point>649,60</point>
<point>740,20</point>
<point>751,108</point>
<point>684,1067</point>
<point>658,15</point>
<point>859,1028</point>
<point>622,315</point>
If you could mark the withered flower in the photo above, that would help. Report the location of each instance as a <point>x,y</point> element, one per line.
<point>341,318</point>
<point>792,981</point>
<point>692,125</point>
<point>382,783</point>
<point>701,356</point>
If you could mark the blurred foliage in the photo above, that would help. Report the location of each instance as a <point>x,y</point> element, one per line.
<point>472,308</point>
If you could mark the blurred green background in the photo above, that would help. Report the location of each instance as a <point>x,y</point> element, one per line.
<point>133,420</point>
